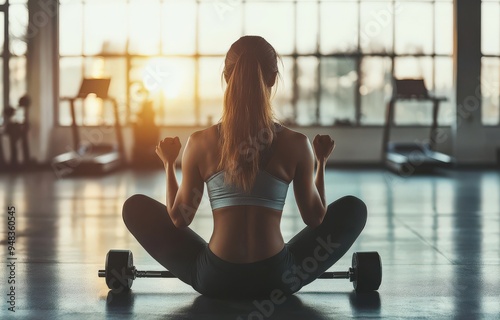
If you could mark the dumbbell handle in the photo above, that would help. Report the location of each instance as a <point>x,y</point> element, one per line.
<point>154,274</point>
<point>168,274</point>
<point>144,274</point>
<point>336,275</point>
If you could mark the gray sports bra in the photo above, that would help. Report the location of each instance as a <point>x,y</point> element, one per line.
<point>268,191</point>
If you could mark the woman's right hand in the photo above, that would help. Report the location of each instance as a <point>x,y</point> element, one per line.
<point>323,147</point>
<point>168,150</point>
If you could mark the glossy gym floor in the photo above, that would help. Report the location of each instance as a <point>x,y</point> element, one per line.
<point>438,236</point>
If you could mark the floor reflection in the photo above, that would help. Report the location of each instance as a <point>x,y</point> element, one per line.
<point>120,302</point>
<point>467,246</point>
<point>365,302</point>
<point>209,308</point>
<point>257,309</point>
<point>361,305</point>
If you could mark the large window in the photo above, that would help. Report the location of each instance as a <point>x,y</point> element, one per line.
<point>339,56</point>
<point>490,62</point>
<point>14,24</point>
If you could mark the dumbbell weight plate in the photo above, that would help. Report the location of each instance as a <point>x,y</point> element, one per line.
<point>367,271</point>
<point>119,264</point>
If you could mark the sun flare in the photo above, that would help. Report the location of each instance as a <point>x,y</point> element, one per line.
<point>161,75</point>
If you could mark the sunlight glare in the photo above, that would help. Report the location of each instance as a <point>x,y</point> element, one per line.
<point>163,75</point>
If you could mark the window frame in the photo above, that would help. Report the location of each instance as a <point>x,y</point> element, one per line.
<point>7,55</point>
<point>357,57</point>
<point>490,55</point>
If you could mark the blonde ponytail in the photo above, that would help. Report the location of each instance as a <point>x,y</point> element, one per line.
<point>247,123</point>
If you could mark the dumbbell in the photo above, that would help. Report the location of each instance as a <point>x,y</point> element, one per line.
<point>365,273</point>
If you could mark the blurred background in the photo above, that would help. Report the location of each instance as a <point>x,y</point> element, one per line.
<point>339,61</point>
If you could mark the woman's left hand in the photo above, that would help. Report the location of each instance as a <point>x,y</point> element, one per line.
<point>168,150</point>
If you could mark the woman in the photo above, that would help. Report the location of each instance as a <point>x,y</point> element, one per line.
<point>247,161</point>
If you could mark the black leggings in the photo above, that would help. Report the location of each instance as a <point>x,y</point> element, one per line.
<point>184,253</point>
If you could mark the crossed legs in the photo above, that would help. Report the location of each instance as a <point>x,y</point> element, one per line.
<point>314,249</point>
<point>175,249</point>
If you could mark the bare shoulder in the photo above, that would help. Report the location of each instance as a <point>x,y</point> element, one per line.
<point>200,138</point>
<point>292,139</point>
<point>292,147</point>
<point>205,143</point>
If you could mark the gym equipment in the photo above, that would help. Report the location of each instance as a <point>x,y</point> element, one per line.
<point>120,272</point>
<point>410,157</point>
<point>91,158</point>
<point>18,131</point>
<point>25,102</point>
<point>13,130</point>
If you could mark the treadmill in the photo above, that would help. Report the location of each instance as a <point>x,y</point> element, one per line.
<point>406,158</point>
<point>91,158</point>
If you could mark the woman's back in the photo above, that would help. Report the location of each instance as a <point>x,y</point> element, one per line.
<point>248,233</point>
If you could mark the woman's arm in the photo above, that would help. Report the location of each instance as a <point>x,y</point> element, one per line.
<point>182,201</point>
<point>168,151</point>
<point>172,185</point>
<point>320,180</point>
<point>323,147</point>
<point>309,191</point>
